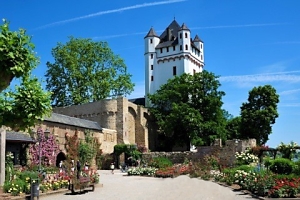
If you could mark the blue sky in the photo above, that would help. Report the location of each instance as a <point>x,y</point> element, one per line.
<point>248,43</point>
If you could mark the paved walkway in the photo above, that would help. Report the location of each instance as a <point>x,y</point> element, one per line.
<point>120,186</point>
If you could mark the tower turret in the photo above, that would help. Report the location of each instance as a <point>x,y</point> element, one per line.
<point>184,38</point>
<point>199,44</point>
<point>151,40</point>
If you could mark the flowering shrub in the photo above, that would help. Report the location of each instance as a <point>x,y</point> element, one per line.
<point>94,176</point>
<point>245,158</point>
<point>245,179</point>
<point>285,188</point>
<point>165,172</point>
<point>142,171</point>
<point>258,150</point>
<point>47,147</point>
<point>287,150</point>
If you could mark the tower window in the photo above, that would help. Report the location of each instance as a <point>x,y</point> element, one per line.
<point>151,67</point>
<point>186,47</point>
<point>174,48</point>
<point>151,55</point>
<point>180,35</point>
<point>174,71</point>
<point>161,50</point>
<point>201,57</point>
<point>185,35</point>
<point>152,78</point>
<point>180,47</point>
<point>167,49</point>
<point>151,41</point>
<point>201,46</point>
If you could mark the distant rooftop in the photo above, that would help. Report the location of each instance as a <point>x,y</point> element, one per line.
<point>138,101</point>
<point>73,121</point>
<point>12,136</point>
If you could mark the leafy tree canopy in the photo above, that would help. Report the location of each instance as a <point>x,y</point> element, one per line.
<point>22,107</point>
<point>259,113</point>
<point>17,57</point>
<point>188,109</point>
<point>86,71</point>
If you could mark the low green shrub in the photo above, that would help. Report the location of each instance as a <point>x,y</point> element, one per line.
<point>246,168</point>
<point>160,162</point>
<point>296,169</point>
<point>282,166</point>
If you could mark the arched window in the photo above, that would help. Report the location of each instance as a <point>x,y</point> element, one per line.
<point>186,47</point>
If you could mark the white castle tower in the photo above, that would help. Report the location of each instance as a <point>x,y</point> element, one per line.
<point>171,54</point>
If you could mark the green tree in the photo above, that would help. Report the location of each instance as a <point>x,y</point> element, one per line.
<point>259,113</point>
<point>21,107</point>
<point>233,128</point>
<point>188,110</point>
<point>86,71</point>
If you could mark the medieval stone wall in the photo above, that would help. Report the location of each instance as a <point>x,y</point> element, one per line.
<point>107,137</point>
<point>127,118</point>
<point>225,153</point>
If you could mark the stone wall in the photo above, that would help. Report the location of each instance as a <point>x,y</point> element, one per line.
<point>225,153</point>
<point>107,137</point>
<point>127,118</point>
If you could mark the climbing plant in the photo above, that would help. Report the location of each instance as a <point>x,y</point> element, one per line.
<point>71,145</point>
<point>88,148</point>
<point>47,148</point>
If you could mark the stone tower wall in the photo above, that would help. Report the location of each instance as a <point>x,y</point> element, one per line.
<point>127,118</point>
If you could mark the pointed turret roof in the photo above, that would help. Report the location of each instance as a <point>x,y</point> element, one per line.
<point>151,33</point>
<point>173,29</point>
<point>197,39</point>
<point>184,27</point>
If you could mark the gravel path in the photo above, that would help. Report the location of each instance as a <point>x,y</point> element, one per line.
<point>119,186</point>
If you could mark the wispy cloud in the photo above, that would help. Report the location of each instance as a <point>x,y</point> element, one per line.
<point>289,92</point>
<point>265,77</point>
<point>119,35</point>
<point>239,26</point>
<point>110,11</point>
<point>193,28</point>
<point>289,105</point>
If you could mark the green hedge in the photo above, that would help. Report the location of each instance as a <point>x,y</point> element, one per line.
<point>282,166</point>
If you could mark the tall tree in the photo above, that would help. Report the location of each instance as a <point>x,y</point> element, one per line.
<point>233,128</point>
<point>188,110</point>
<point>21,107</point>
<point>259,113</point>
<point>86,71</point>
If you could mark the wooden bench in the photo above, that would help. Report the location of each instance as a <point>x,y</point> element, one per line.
<point>78,185</point>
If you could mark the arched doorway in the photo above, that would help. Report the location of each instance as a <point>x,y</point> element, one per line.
<point>60,157</point>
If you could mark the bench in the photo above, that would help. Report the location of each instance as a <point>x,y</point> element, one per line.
<point>77,185</point>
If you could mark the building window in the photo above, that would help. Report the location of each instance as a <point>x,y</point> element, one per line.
<point>151,41</point>
<point>180,35</point>
<point>174,71</point>
<point>201,57</point>
<point>151,67</point>
<point>186,47</point>
<point>152,78</point>
<point>167,49</point>
<point>185,35</point>
<point>174,48</point>
<point>161,50</point>
<point>194,71</point>
<point>180,47</point>
<point>151,55</point>
<point>201,46</point>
